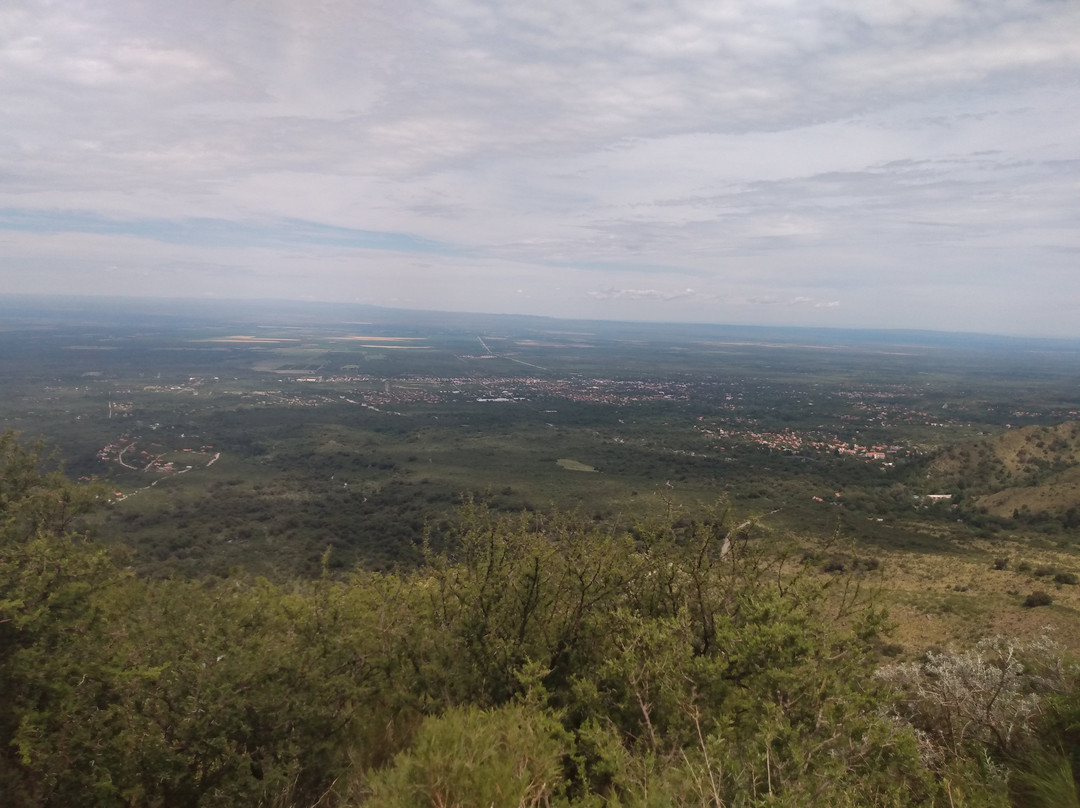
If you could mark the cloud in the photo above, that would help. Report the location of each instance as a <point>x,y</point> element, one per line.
<point>797,300</point>
<point>219,232</point>
<point>645,294</point>
<point>705,297</point>
<point>620,153</point>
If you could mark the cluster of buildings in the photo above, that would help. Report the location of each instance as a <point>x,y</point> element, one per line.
<point>794,442</point>
<point>125,452</point>
<point>435,390</point>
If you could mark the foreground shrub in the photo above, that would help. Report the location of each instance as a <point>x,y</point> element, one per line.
<point>539,660</point>
<point>508,756</point>
<point>989,697</point>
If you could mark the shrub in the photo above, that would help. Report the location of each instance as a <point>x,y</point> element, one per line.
<point>1066,578</point>
<point>507,756</point>
<point>837,563</point>
<point>868,564</point>
<point>1001,563</point>
<point>985,697</point>
<point>1039,598</point>
<point>842,562</point>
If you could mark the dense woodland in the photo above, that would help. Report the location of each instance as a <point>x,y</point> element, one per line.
<point>534,660</point>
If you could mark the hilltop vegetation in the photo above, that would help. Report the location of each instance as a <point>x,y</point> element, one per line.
<point>536,660</point>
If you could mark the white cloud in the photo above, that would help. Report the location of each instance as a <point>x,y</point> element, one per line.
<point>645,294</point>
<point>622,153</point>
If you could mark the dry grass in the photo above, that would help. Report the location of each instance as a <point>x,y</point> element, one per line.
<point>937,599</point>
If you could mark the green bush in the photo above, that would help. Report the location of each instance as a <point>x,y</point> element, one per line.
<point>1038,598</point>
<point>508,756</point>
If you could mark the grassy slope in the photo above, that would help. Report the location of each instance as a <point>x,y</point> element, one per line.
<point>958,596</point>
<point>1037,467</point>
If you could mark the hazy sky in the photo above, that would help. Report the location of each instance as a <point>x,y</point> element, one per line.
<point>893,163</point>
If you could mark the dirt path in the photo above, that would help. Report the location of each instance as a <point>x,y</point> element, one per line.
<point>725,548</point>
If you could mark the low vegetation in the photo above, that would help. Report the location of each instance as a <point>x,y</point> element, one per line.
<point>538,659</point>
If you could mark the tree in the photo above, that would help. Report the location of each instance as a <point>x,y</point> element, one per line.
<point>49,580</point>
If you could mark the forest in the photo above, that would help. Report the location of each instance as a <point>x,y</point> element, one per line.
<point>530,659</point>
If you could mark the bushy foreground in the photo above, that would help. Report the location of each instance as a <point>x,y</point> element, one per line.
<point>538,662</point>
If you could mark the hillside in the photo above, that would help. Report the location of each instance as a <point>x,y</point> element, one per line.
<point>1033,470</point>
<point>543,660</point>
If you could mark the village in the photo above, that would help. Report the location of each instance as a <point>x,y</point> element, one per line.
<point>789,441</point>
<point>156,459</point>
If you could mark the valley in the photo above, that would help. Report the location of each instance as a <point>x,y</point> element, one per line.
<point>257,440</point>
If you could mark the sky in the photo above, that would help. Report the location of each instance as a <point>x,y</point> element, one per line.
<point>838,163</point>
